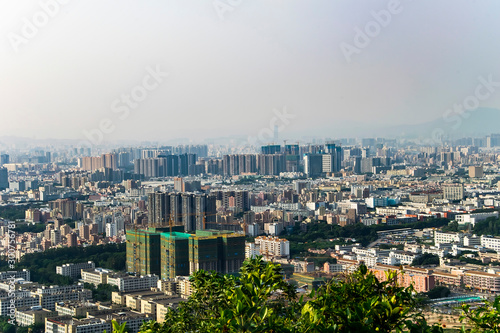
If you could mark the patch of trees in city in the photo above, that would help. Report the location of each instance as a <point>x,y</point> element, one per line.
<point>101,293</point>
<point>452,227</point>
<point>30,227</point>
<point>13,213</point>
<point>426,259</point>
<point>438,292</point>
<point>5,327</point>
<point>490,226</point>
<point>43,264</point>
<point>317,234</point>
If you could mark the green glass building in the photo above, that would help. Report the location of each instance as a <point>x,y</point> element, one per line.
<point>157,251</point>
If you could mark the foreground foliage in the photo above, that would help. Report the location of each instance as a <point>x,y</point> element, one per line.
<point>483,319</point>
<point>260,300</point>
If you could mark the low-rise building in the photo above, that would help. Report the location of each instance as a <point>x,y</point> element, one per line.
<point>127,283</point>
<point>348,265</point>
<point>24,274</point>
<point>490,242</point>
<point>74,308</point>
<point>22,299</point>
<point>472,240</point>
<point>269,246</point>
<point>421,279</point>
<point>69,324</point>
<point>184,288</point>
<point>168,286</point>
<point>448,238</point>
<point>33,315</point>
<point>448,279</point>
<point>402,257</point>
<point>473,218</point>
<point>74,270</point>
<point>96,323</point>
<point>96,276</point>
<point>49,296</point>
<point>482,281</point>
<point>332,268</point>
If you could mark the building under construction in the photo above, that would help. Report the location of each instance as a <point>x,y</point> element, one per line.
<point>174,254</point>
<point>221,251</point>
<point>169,253</point>
<point>192,210</point>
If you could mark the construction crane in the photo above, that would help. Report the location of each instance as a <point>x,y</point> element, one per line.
<point>200,217</point>
<point>170,223</point>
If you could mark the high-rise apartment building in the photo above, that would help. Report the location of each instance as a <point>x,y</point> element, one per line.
<point>241,199</point>
<point>4,179</point>
<point>239,164</point>
<point>169,254</point>
<point>66,207</point>
<point>166,166</point>
<point>174,254</point>
<point>143,250</point>
<point>94,163</point>
<point>271,164</point>
<point>4,159</point>
<point>313,165</point>
<point>187,209</point>
<point>476,171</point>
<point>271,149</point>
<point>336,152</point>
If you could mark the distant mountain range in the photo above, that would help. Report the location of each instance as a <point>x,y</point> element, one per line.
<point>477,123</point>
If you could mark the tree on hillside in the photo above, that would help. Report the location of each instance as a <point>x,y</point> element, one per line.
<point>426,259</point>
<point>438,292</point>
<point>490,226</point>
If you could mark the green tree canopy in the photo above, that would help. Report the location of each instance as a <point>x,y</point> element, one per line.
<point>483,319</point>
<point>426,259</point>
<point>438,292</point>
<point>260,300</point>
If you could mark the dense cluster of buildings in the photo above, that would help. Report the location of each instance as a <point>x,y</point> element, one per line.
<point>448,272</point>
<point>180,209</point>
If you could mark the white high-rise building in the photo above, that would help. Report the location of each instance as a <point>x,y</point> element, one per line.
<point>111,230</point>
<point>273,246</point>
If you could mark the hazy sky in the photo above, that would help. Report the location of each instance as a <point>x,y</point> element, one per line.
<point>230,63</point>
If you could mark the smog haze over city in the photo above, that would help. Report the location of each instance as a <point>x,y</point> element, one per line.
<point>340,68</point>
